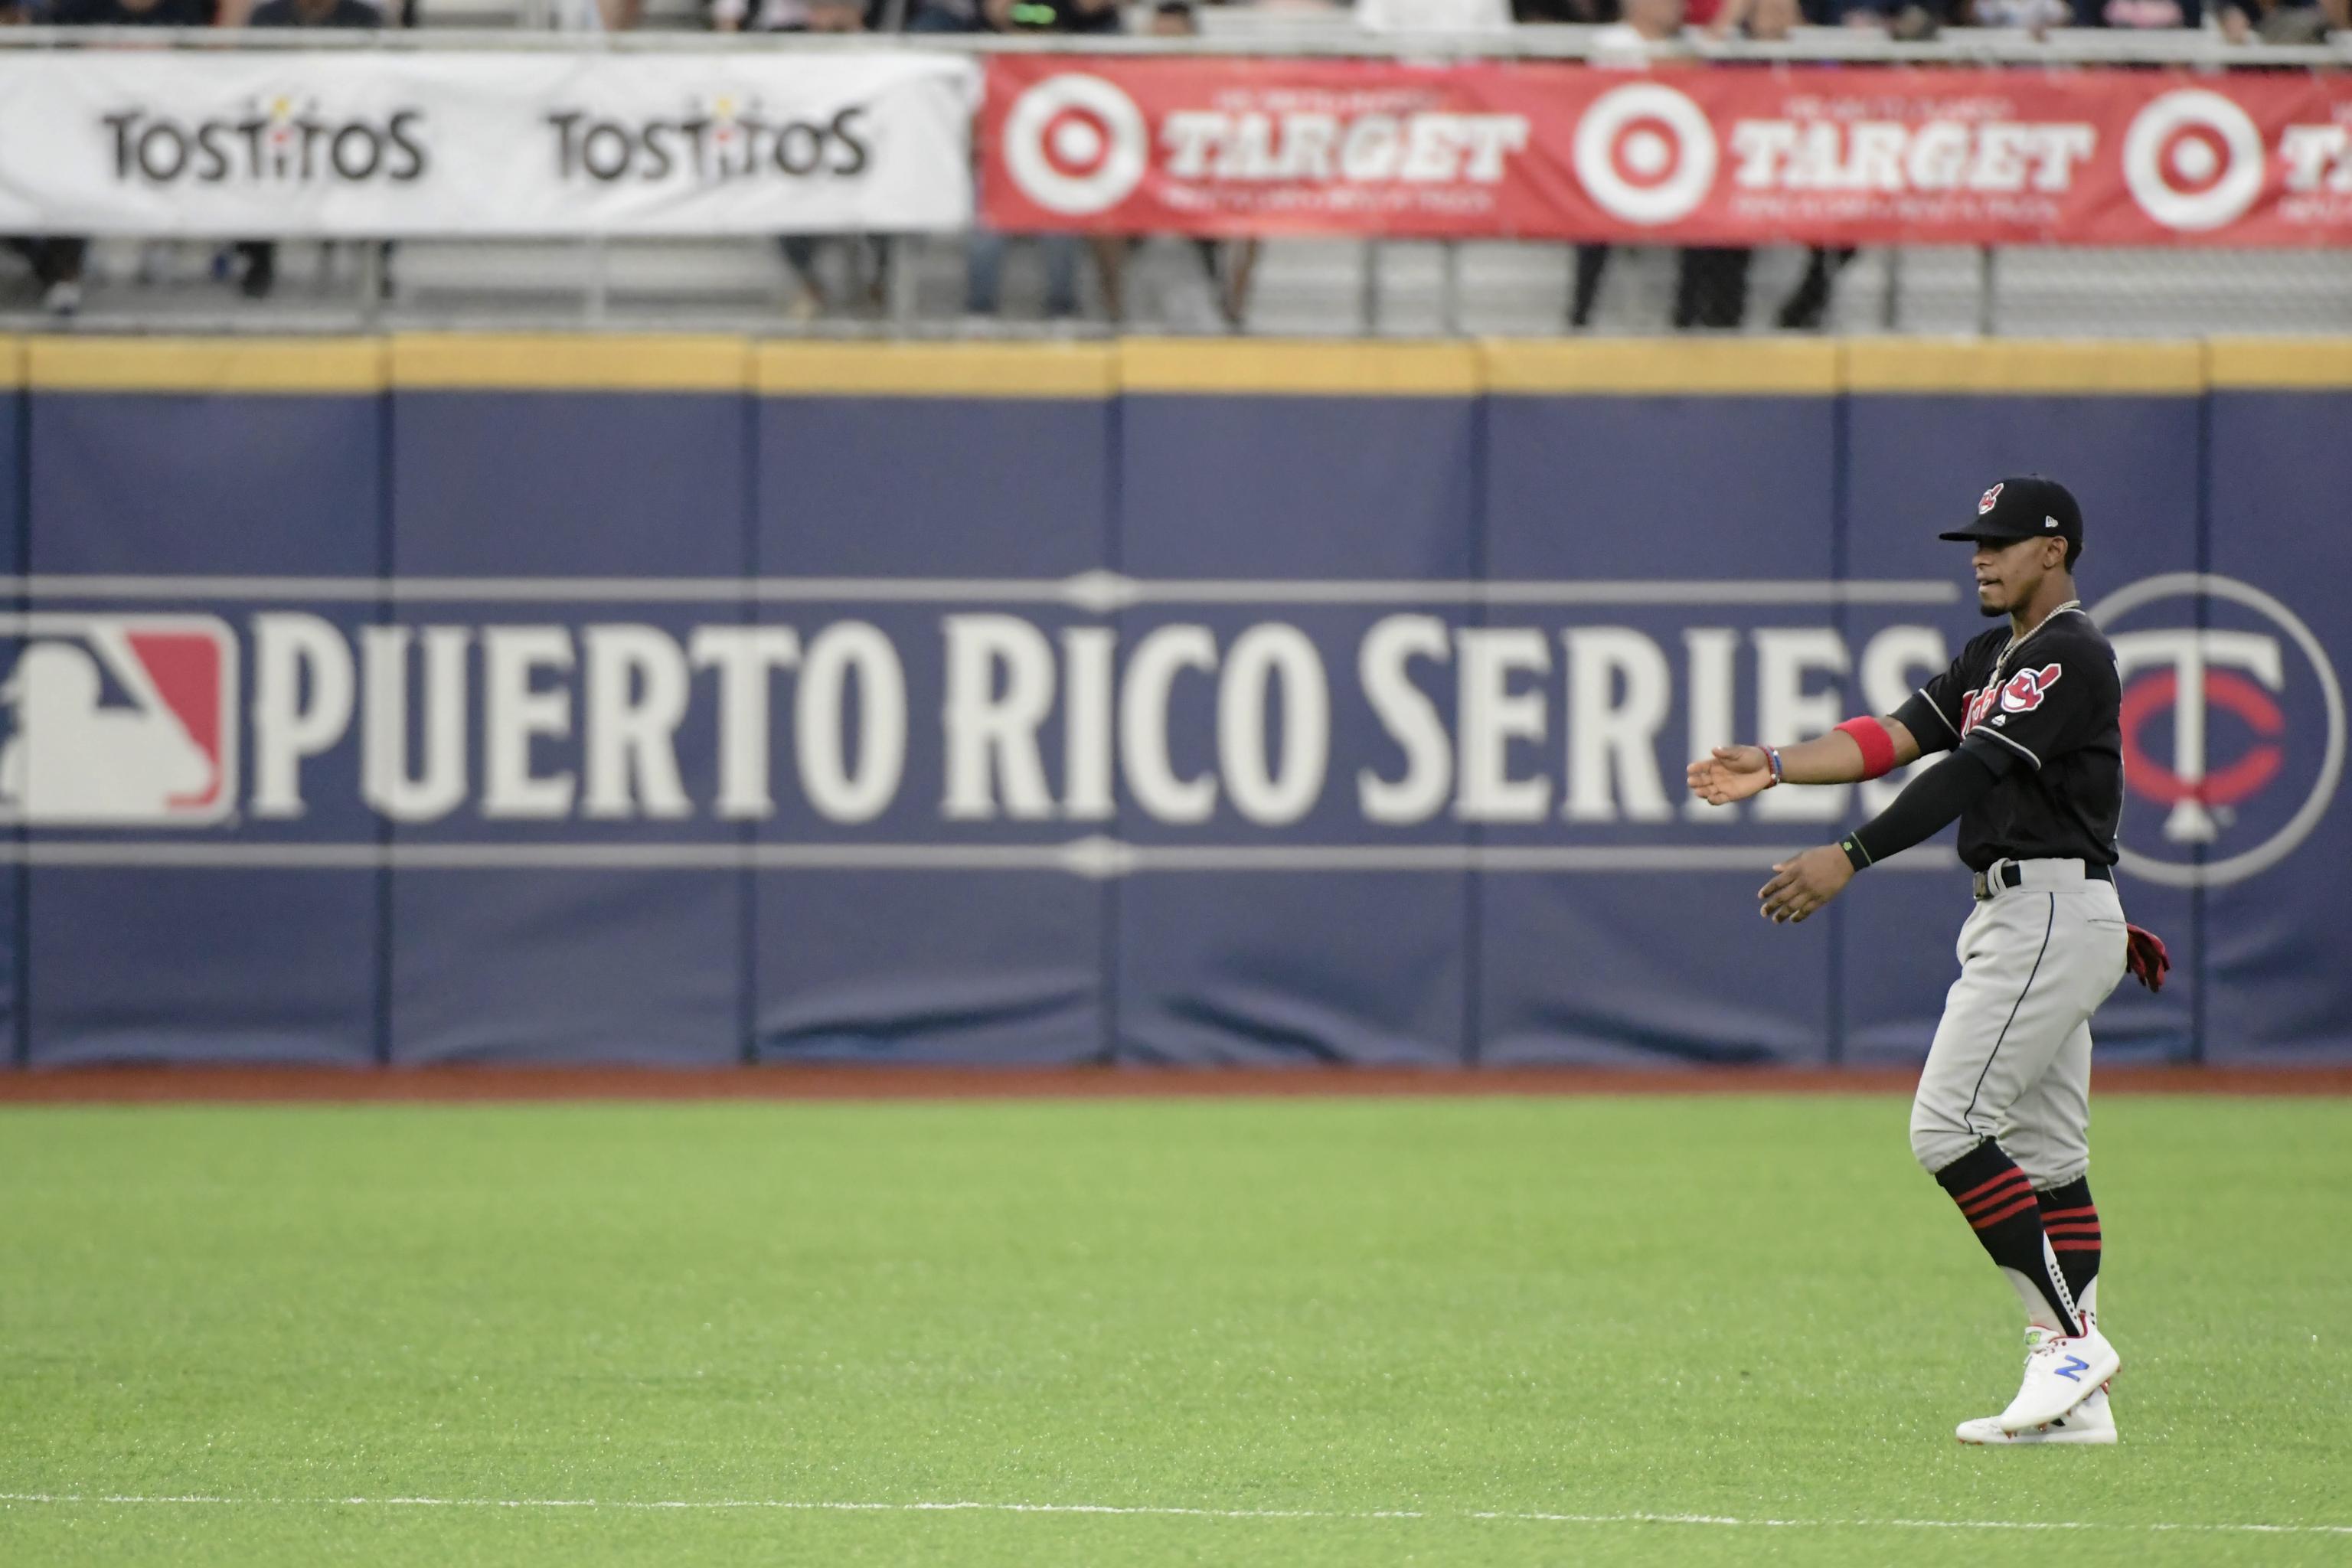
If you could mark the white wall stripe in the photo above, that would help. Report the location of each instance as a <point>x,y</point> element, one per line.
<point>1096,592</point>
<point>1089,858</point>
<point>1145,1510</point>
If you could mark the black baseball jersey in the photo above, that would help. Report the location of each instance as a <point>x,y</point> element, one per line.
<point>2048,707</point>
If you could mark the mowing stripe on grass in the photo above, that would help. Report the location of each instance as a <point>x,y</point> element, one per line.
<point>1721,1520</point>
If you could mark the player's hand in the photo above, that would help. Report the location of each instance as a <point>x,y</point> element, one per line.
<point>1730,774</point>
<point>1805,884</point>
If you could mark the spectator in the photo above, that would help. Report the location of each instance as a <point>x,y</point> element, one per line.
<point>2034,16</point>
<point>837,17</point>
<point>389,13</point>
<point>1711,286</point>
<point>2138,13</point>
<point>769,16</point>
<point>315,14</point>
<point>867,262</point>
<point>13,13</point>
<point>1765,21</point>
<point>260,256</point>
<point>2281,21</point>
<point>1711,282</point>
<point>1807,303</point>
<point>58,262</point>
<point>1650,26</point>
<point>1228,266</point>
<point>1053,15</point>
<point>1016,16</point>
<point>1772,21</point>
<point>944,16</point>
<point>595,16</point>
<point>1645,28</point>
<point>985,253</point>
<point>1905,21</point>
<point>1433,15</point>
<point>131,14</point>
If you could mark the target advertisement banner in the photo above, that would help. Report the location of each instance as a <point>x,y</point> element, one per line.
<point>1724,155</point>
<point>369,145</point>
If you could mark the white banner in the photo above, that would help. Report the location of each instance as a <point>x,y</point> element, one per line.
<point>368,145</point>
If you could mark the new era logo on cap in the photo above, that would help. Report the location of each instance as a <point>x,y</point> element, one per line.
<point>2049,522</point>
<point>1986,502</point>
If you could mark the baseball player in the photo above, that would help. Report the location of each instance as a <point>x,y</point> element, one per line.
<point>2029,715</point>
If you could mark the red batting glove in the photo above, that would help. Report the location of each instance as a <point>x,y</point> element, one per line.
<point>2144,955</point>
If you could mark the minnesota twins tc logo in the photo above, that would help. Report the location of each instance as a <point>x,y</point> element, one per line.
<point>2234,727</point>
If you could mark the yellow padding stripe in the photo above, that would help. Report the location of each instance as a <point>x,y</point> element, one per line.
<point>557,362</point>
<point>525,362</point>
<point>2297,362</point>
<point>12,362</point>
<point>1279,366</point>
<point>1663,366</point>
<point>936,370</point>
<point>201,366</point>
<point>1996,366</point>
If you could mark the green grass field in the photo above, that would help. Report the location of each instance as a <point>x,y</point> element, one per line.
<point>1311,1332</point>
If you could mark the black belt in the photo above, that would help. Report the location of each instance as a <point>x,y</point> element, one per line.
<point>2008,876</point>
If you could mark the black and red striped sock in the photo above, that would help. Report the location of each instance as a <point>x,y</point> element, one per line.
<point>1999,1203</point>
<point>2071,1220</point>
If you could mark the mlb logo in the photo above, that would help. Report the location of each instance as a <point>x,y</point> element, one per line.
<point>118,721</point>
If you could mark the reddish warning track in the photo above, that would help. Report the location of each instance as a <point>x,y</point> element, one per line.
<point>109,1086</point>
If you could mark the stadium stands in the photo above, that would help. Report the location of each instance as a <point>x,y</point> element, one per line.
<point>1301,285</point>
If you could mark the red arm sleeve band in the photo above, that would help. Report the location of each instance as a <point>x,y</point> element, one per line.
<point>1877,746</point>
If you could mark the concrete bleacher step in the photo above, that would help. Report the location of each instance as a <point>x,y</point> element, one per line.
<point>1314,287</point>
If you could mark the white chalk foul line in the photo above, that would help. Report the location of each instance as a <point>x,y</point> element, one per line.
<point>1149,1511</point>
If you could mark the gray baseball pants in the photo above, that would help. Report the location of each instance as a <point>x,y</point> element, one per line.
<point>2012,1059</point>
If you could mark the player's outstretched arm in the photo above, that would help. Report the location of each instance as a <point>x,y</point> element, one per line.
<point>1731,774</point>
<point>1926,805</point>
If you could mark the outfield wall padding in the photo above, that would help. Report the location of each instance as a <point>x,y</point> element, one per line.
<point>695,700</point>
<point>14,409</point>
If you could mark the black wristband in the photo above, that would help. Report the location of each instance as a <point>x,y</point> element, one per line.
<point>1856,855</point>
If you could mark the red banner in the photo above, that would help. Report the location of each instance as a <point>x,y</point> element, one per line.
<point>1723,154</point>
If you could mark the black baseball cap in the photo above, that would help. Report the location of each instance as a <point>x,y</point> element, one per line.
<point>2023,507</point>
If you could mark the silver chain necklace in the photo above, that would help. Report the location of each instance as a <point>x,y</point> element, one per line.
<point>2001,664</point>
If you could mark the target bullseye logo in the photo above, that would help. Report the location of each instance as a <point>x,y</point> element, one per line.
<point>2193,159</point>
<point>1076,145</point>
<point>1645,153</point>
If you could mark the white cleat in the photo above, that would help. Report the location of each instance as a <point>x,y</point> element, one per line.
<point>2061,1372</point>
<point>2093,1421</point>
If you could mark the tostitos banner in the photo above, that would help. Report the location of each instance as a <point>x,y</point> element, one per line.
<point>1719,155</point>
<point>373,145</point>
